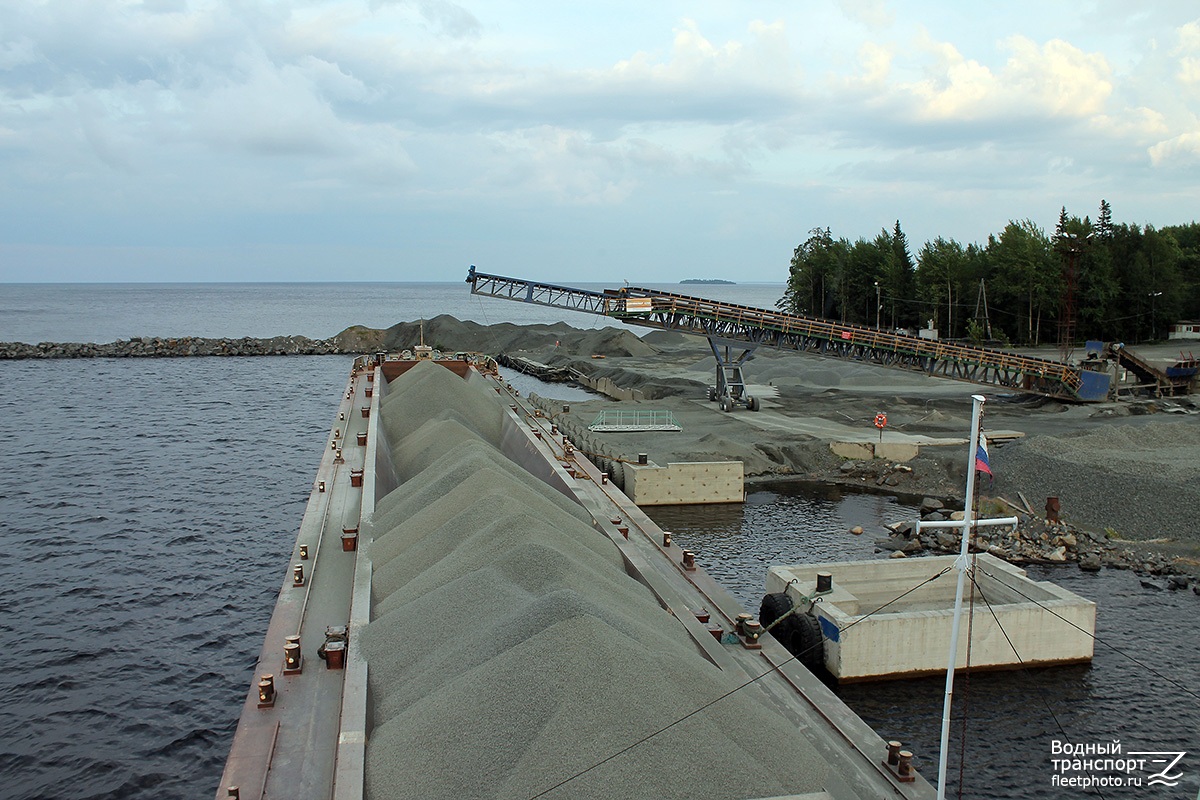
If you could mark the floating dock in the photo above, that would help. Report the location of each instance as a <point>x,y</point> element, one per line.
<point>473,610</point>
<point>869,634</point>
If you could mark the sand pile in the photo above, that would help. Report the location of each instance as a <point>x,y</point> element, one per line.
<point>509,649</point>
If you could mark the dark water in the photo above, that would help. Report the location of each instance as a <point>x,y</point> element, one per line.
<point>149,507</point>
<point>1145,695</point>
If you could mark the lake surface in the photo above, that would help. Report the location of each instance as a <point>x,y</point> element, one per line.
<point>150,507</point>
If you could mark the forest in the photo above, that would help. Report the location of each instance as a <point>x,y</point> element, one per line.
<point>1124,282</point>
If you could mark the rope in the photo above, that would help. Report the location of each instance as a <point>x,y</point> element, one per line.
<point>718,699</point>
<point>1097,639</point>
<point>1021,661</point>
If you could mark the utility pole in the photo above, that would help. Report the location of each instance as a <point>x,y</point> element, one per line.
<point>1152,315</point>
<point>878,305</point>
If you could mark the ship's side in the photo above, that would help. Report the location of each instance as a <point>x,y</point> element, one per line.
<point>516,628</point>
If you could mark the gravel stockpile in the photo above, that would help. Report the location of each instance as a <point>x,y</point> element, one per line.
<point>1151,470</point>
<point>428,391</point>
<point>509,649</point>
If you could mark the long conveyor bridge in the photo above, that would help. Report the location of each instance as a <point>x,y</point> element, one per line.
<point>725,323</point>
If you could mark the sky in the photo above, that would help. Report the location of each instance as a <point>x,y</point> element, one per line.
<point>403,140</point>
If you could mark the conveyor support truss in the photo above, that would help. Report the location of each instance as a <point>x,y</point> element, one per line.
<point>653,308</point>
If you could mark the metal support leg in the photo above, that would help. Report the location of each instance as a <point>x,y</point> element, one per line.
<point>731,385</point>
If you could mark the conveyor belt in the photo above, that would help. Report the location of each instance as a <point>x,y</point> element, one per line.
<point>668,311</point>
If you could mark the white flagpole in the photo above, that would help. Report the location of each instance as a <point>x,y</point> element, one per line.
<point>961,564</point>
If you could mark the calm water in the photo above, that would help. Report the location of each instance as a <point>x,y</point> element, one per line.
<point>106,312</point>
<point>1011,717</point>
<point>150,507</point>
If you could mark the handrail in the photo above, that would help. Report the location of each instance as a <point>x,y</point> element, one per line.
<point>662,309</point>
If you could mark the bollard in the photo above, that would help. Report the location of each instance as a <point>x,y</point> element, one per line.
<point>824,582</point>
<point>1053,507</point>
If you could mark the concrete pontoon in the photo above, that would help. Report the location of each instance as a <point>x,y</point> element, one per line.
<point>514,626</point>
<point>869,634</point>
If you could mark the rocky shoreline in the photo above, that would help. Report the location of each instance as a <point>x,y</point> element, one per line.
<point>1035,540</point>
<point>181,347</point>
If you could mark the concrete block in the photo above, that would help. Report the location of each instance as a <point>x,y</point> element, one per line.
<point>856,451</point>
<point>911,637</point>
<point>685,483</point>
<point>896,451</point>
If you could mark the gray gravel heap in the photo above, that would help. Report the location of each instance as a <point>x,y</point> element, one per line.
<point>1131,457</point>
<point>429,391</point>
<point>508,648</point>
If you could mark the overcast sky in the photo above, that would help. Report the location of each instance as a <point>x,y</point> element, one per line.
<point>406,139</point>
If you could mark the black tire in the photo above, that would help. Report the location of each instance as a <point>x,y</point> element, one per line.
<point>808,645</point>
<point>712,393</point>
<point>753,404</point>
<point>726,405</point>
<point>773,607</point>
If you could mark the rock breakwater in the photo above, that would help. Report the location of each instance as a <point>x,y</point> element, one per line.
<point>1035,540</point>
<point>176,347</point>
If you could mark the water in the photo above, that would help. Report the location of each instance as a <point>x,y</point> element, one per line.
<point>1141,688</point>
<point>106,312</point>
<point>150,506</point>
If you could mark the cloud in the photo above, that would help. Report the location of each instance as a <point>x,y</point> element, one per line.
<point>441,15</point>
<point>1056,79</point>
<point>872,13</point>
<point>1179,151</point>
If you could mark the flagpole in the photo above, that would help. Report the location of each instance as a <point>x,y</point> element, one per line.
<point>960,564</point>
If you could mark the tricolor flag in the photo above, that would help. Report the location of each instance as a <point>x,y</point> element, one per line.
<point>981,456</point>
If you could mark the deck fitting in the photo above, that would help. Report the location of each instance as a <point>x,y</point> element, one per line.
<point>266,691</point>
<point>293,661</point>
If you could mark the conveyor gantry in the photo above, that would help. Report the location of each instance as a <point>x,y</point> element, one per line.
<point>729,322</point>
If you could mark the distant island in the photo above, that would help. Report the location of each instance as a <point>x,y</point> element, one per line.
<point>708,281</point>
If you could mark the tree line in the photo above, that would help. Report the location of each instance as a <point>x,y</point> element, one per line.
<point>1125,282</point>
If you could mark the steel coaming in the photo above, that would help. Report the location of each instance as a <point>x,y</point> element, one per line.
<point>654,308</point>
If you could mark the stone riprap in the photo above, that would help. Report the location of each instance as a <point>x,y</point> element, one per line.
<point>184,346</point>
<point>509,649</point>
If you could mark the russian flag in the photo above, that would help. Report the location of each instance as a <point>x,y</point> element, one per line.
<point>982,464</point>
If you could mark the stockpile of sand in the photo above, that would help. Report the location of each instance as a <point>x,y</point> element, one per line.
<point>509,650</point>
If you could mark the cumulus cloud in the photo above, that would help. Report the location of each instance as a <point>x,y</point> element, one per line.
<point>1179,151</point>
<point>1055,79</point>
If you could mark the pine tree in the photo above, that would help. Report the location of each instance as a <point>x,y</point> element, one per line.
<point>1104,229</point>
<point>1061,227</point>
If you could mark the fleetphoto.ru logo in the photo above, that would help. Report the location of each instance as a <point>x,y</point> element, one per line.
<point>1093,765</point>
